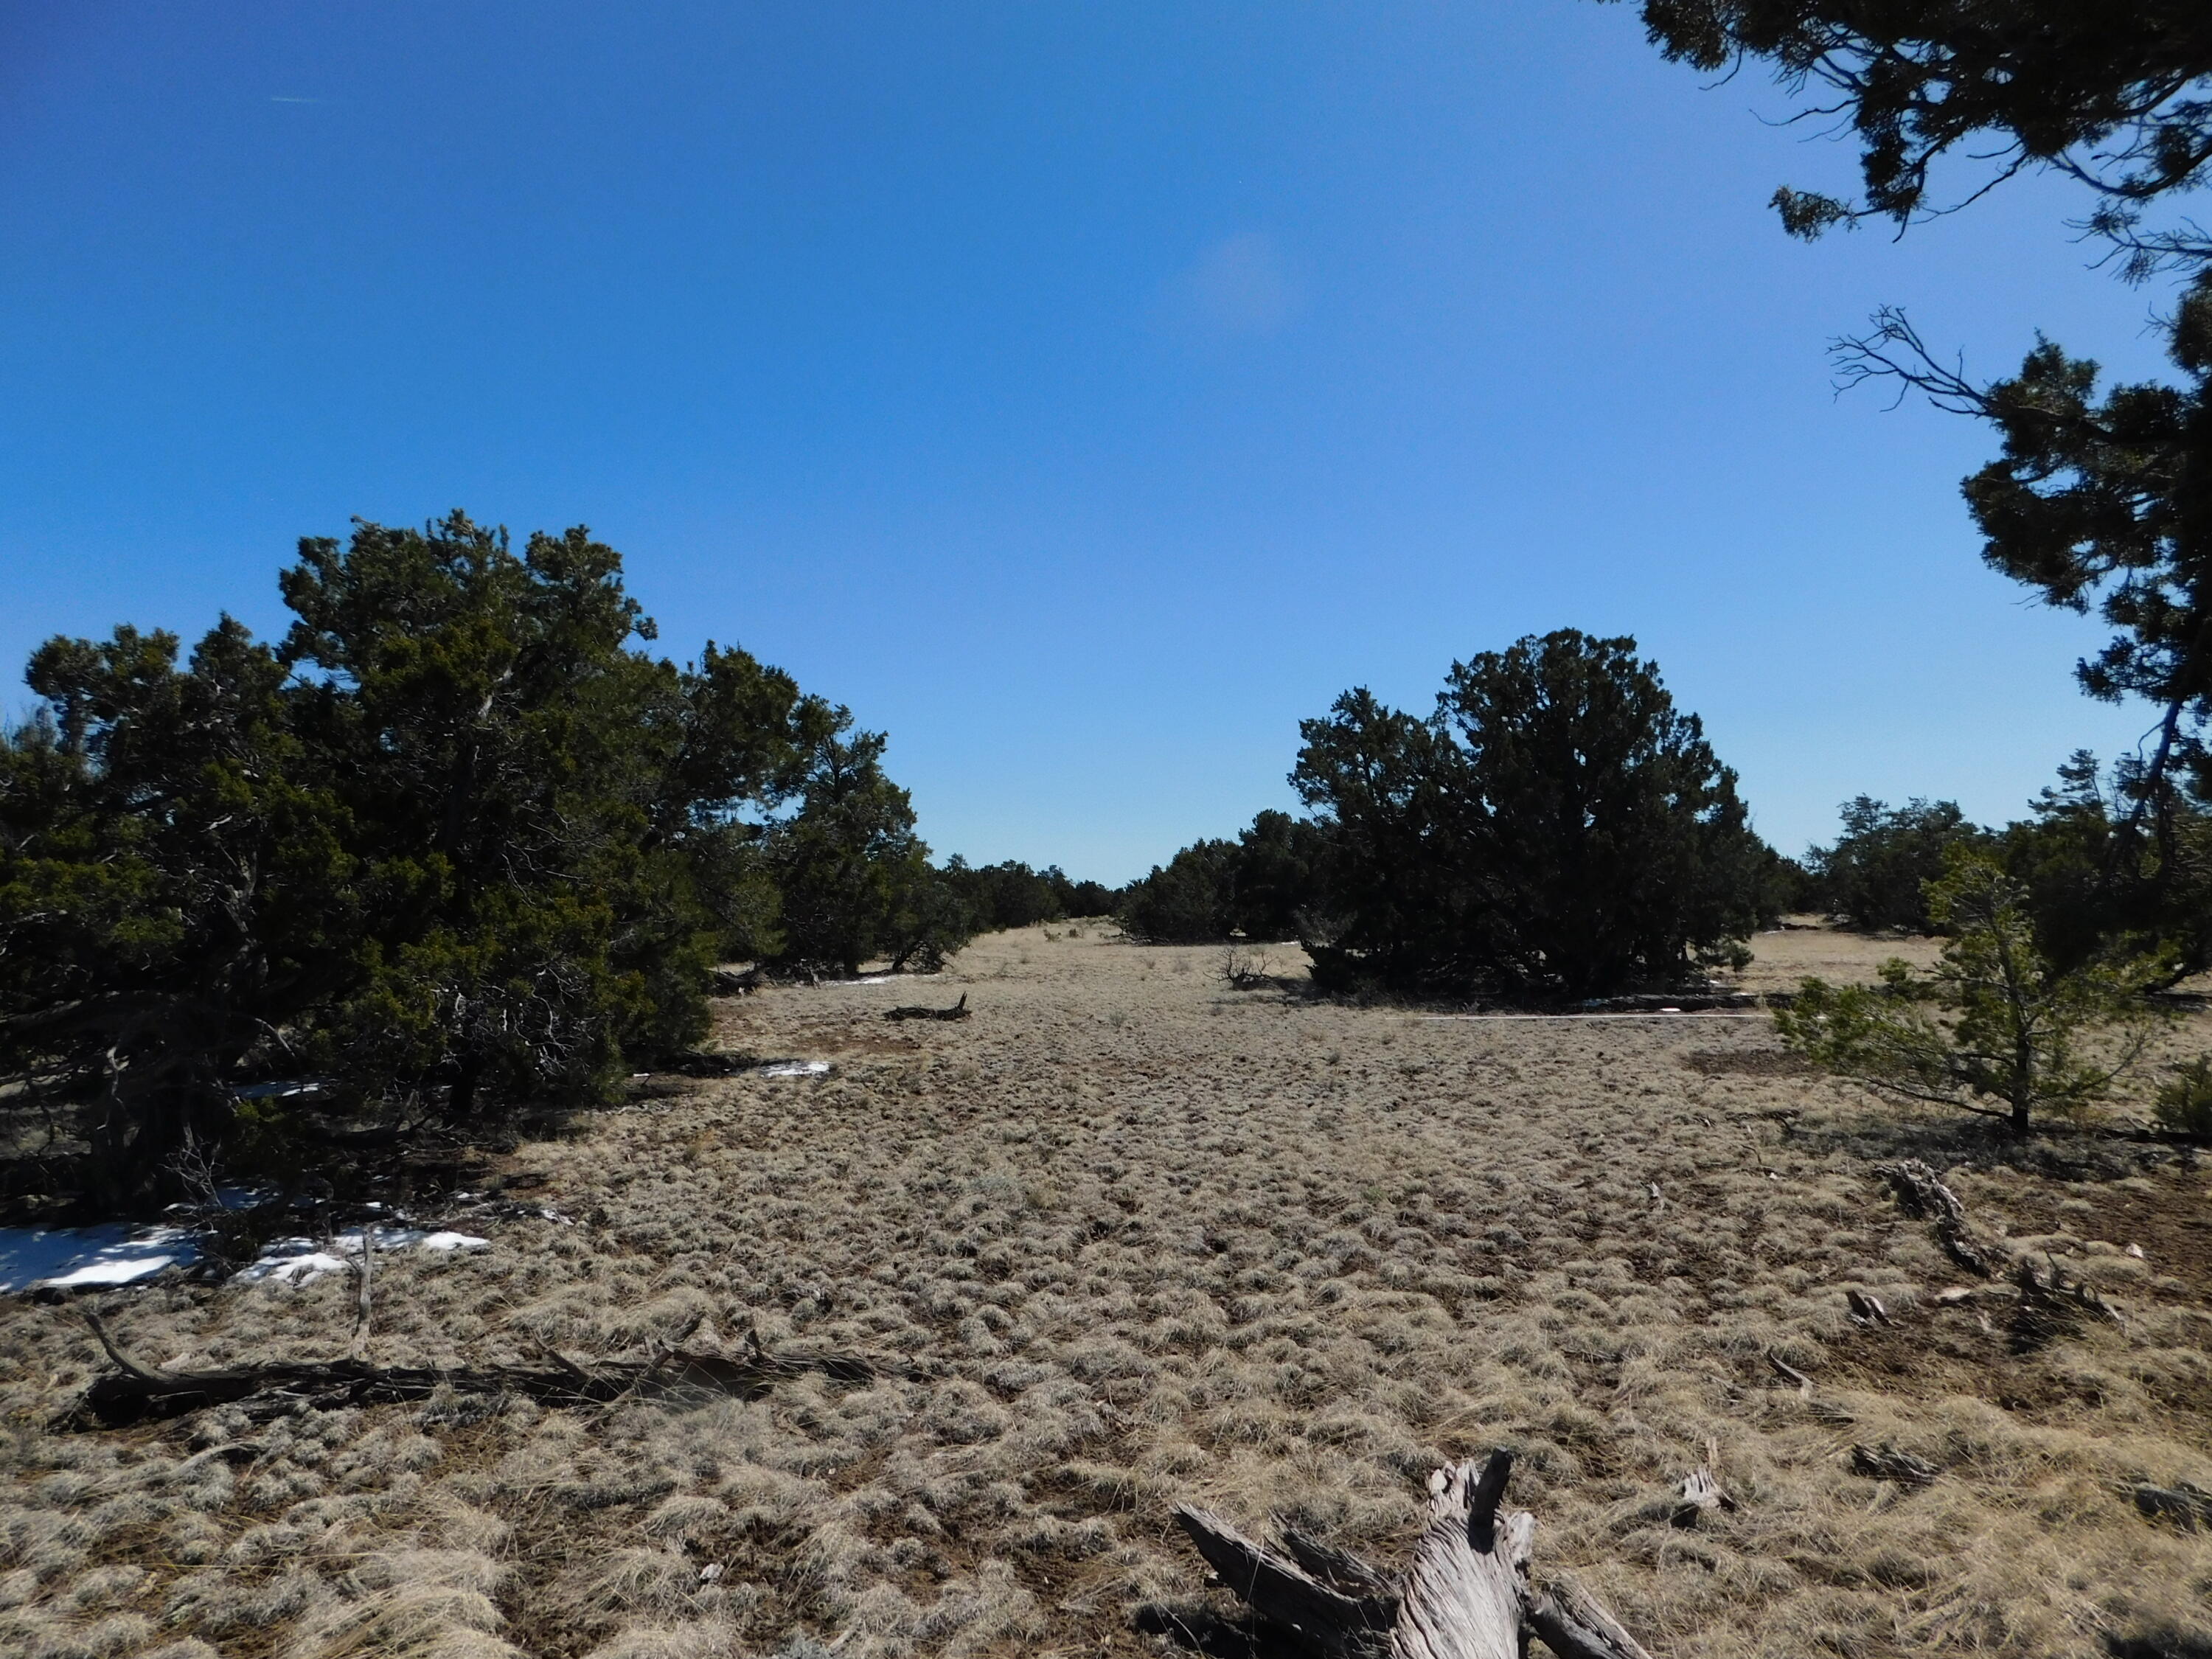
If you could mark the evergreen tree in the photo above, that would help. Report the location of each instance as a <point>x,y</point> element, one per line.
<point>460,838</point>
<point>1877,874</point>
<point>1556,829</point>
<point>178,893</point>
<point>2116,96</point>
<point>854,876</point>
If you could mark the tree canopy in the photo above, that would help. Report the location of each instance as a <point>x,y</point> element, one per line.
<point>2117,95</point>
<point>460,836</point>
<point>1554,829</point>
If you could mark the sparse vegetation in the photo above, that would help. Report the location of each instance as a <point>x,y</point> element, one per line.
<point>1141,1244</point>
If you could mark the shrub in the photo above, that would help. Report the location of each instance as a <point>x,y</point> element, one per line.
<point>1997,1020</point>
<point>2184,1103</point>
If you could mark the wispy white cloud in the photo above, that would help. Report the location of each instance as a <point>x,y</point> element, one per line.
<point>1241,284</point>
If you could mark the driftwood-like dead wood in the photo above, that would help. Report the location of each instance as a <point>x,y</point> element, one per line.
<point>133,1392</point>
<point>1467,1593</point>
<point>1792,1376</point>
<point>1340,1568</point>
<point>1803,1384</point>
<point>1325,1620</point>
<point>1866,1309</point>
<point>731,982</point>
<point>1919,1192</point>
<point>1687,1502</point>
<point>2052,1304</point>
<point>917,1011</point>
<point>1886,1463</point>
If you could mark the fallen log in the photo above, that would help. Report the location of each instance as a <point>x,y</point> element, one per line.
<point>1887,1462</point>
<point>133,1392</point>
<point>1920,1194</point>
<point>1467,1593</point>
<point>916,1010</point>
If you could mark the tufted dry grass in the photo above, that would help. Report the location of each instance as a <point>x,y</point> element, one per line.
<point>1148,1238</point>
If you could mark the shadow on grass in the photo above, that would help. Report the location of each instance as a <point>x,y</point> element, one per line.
<point>2059,1152</point>
<point>1196,1628</point>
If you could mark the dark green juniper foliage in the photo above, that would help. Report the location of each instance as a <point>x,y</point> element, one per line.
<point>2100,498</point>
<point>1012,894</point>
<point>2117,95</point>
<point>1264,885</point>
<point>855,878</point>
<point>179,893</point>
<point>460,838</point>
<point>1555,829</point>
<point>1875,874</point>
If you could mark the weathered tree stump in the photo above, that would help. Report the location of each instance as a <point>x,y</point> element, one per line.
<point>1467,1595</point>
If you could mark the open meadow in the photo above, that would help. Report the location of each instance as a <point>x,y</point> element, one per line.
<point>1130,1237</point>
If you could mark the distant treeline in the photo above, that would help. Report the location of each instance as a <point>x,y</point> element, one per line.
<point>2102,871</point>
<point>1555,829</point>
<point>2108,863</point>
<point>1011,895</point>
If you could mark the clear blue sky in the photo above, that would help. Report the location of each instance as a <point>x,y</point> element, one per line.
<point>1082,393</point>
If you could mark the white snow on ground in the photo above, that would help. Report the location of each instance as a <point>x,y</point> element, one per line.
<point>793,1068</point>
<point>298,1260</point>
<point>74,1258</point>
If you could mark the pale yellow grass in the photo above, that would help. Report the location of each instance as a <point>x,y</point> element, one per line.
<point>1148,1239</point>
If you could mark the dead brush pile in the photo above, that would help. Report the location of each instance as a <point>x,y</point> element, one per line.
<point>1141,1239</point>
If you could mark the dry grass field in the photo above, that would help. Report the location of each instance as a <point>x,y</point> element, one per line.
<point>1143,1237</point>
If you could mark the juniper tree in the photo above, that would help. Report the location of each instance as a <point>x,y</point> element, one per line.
<point>460,835</point>
<point>1557,827</point>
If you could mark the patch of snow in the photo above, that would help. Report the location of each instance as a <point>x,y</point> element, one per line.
<point>78,1258</point>
<point>301,1260</point>
<point>793,1068</point>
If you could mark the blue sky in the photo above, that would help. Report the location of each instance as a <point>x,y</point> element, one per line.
<point>1082,393</point>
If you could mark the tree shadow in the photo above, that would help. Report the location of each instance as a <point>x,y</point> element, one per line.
<point>2056,1152</point>
<point>1198,1628</point>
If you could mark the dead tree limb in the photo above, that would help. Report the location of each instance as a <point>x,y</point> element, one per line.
<point>916,1010</point>
<point>1887,1462</point>
<point>1919,1192</point>
<point>1326,1620</point>
<point>1467,1593</point>
<point>132,1392</point>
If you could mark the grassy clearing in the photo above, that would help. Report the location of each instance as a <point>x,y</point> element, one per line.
<point>1152,1238</point>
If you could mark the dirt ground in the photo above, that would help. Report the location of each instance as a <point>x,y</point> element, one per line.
<point>1138,1238</point>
